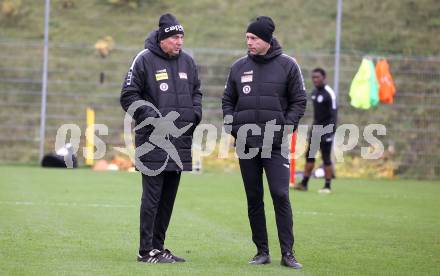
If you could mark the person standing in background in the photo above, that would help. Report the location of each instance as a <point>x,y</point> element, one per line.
<point>324,115</point>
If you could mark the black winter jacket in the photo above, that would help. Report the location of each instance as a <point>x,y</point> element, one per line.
<point>170,84</point>
<point>262,88</point>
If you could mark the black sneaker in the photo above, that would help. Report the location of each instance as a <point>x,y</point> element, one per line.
<point>300,187</point>
<point>289,260</point>
<point>260,258</point>
<point>167,253</point>
<point>155,256</point>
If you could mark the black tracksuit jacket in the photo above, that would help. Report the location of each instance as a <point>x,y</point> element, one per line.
<point>262,88</point>
<point>170,84</point>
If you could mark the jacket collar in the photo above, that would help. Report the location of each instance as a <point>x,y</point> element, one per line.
<point>274,51</point>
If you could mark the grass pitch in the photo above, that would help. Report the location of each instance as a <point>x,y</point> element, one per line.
<point>82,222</point>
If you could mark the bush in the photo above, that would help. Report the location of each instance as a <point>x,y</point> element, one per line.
<point>68,4</point>
<point>11,8</point>
<point>104,46</point>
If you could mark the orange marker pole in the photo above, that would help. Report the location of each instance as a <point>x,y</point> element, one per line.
<point>292,159</point>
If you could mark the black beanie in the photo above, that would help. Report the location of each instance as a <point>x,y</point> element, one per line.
<point>263,27</point>
<point>169,26</point>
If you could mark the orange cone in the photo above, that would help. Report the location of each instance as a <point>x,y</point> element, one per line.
<point>292,160</point>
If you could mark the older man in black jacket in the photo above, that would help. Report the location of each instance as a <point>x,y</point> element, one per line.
<point>265,89</point>
<point>162,93</point>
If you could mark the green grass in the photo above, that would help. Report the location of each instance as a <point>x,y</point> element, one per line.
<point>83,222</point>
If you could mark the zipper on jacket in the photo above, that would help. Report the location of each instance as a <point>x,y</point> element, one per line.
<point>257,117</point>
<point>174,76</point>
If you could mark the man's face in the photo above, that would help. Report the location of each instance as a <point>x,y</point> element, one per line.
<point>255,45</point>
<point>318,79</point>
<point>172,45</point>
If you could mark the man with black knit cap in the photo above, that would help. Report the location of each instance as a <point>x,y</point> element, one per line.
<point>265,95</point>
<point>163,87</point>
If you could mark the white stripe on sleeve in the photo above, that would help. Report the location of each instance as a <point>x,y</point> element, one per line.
<point>332,95</point>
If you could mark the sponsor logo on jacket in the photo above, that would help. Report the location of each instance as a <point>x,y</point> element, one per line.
<point>247,76</point>
<point>129,77</point>
<point>246,89</point>
<point>161,75</point>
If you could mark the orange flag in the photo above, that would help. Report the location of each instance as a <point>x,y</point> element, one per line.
<point>386,83</point>
<point>292,160</point>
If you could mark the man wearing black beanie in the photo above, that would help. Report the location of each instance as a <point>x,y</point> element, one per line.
<point>163,79</point>
<point>265,90</point>
<point>263,27</point>
<point>168,26</point>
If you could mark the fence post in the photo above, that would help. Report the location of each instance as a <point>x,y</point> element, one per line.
<point>44,80</point>
<point>337,48</point>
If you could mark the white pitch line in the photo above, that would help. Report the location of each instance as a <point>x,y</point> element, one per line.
<point>357,215</point>
<point>104,205</point>
<point>67,204</point>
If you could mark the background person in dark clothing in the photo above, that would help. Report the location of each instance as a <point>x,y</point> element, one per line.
<point>263,86</point>
<point>325,113</point>
<point>167,78</point>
